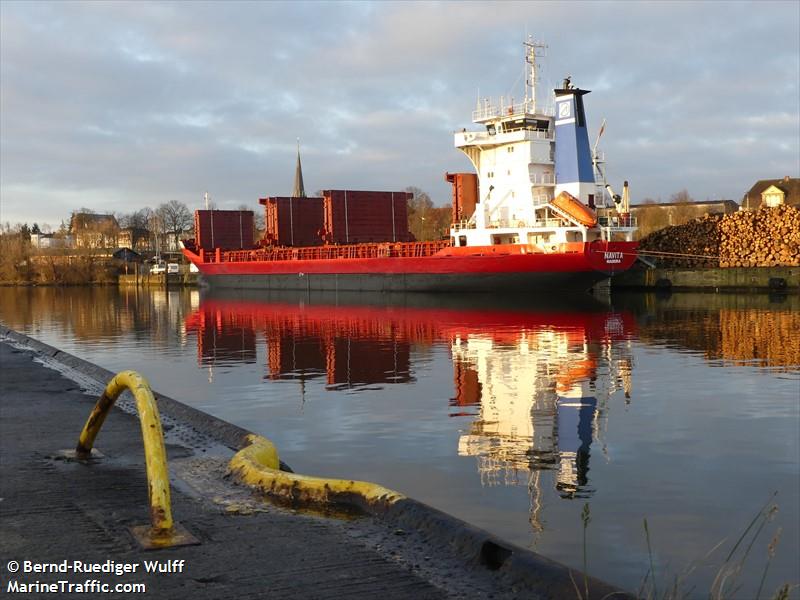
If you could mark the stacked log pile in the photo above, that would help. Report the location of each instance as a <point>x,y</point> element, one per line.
<point>767,237</point>
<point>697,238</point>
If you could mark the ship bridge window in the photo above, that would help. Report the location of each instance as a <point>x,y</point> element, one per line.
<point>528,123</point>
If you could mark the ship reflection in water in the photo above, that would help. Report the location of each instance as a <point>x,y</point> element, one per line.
<point>540,390</point>
<point>535,381</point>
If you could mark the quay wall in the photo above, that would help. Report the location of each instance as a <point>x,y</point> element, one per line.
<point>736,279</point>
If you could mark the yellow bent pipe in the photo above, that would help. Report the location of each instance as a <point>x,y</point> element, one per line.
<point>257,465</point>
<point>154,451</point>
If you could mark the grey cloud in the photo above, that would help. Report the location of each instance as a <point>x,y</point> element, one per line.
<point>121,105</point>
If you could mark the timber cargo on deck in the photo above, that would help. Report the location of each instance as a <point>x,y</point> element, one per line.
<point>536,216</point>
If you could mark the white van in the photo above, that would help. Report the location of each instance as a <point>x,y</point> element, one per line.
<point>158,268</point>
<point>173,268</point>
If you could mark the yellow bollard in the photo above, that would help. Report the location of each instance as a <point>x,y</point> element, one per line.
<point>163,532</point>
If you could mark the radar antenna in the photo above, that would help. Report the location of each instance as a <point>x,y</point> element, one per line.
<point>534,50</point>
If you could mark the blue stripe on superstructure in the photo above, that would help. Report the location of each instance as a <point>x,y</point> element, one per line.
<point>573,157</point>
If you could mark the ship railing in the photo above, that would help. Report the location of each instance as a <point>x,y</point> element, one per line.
<point>464,224</point>
<point>493,111</point>
<point>484,136</point>
<point>618,222</point>
<point>332,252</point>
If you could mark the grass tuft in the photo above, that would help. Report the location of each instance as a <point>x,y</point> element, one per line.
<point>725,585</point>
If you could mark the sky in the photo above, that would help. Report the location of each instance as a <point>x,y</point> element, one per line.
<point>117,106</point>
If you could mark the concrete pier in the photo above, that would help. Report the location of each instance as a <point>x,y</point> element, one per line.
<point>159,280</point>
<point>67,523</point>
<point>755,279</point>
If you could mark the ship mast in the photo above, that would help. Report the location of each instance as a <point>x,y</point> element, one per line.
<point>534,50</point>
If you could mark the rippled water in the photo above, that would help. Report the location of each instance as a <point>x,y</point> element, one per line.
<point>512,415</point>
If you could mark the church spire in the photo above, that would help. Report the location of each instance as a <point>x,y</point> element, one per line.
<point>299,190</point>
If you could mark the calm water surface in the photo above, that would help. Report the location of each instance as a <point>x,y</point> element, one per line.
<point>511,415</point>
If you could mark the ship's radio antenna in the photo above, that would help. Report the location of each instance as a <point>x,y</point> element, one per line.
<point>597,160</point>
<point>534,50</point>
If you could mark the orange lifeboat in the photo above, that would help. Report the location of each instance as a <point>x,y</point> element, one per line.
<point>575,208</point>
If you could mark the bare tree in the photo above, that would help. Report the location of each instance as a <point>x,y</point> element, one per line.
<point>258,217</point>
<point>419,208</point>
<point>684,210</point>
<point>156,227</point>
<point>137,220</point>
<point>15,254</point>
<point>420,200</point>
<point>139,224</point>
<point>175,217</point>
<point>682,197</point>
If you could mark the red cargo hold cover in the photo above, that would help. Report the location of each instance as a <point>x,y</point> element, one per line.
<point>354,216</point>
<point>223,229</point>
<point>293,221</point>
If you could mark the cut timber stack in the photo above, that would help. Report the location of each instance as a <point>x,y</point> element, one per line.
<point>700,237</point>
<point>767,237</point>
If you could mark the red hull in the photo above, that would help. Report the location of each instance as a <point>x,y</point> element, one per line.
<point>510,267</point>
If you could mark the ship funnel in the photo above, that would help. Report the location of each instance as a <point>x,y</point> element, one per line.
<point>573,155</point>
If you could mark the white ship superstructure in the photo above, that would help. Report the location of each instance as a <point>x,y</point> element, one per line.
<point>525,157</point>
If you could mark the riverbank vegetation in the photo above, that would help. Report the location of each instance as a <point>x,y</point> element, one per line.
<point>22,264</point>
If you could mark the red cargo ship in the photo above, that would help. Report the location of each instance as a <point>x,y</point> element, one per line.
<point>533,218</point>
